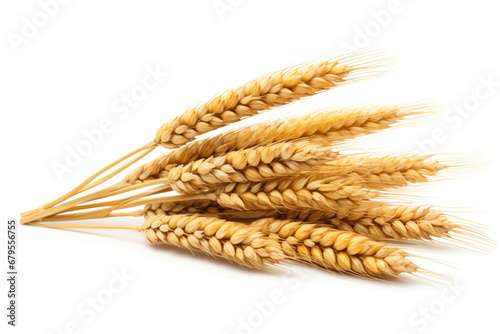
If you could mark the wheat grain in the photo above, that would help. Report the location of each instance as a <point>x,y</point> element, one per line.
<point>199,175</point>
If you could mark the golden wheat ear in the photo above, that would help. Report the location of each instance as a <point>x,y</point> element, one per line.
<point>324,247</point>
<point>272,90</point>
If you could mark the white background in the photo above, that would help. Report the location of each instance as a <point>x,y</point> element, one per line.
<point>71,73</point>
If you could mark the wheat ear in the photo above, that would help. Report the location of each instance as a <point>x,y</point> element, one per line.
<point>271,90</point>
<point>296,193</point>
<point>325,247</point>
<point>416,229</point>
<point>384,221</point>
<point>381,172</point>
<point>235,242</point>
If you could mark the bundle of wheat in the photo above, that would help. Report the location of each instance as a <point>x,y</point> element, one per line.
<point>278,191</point>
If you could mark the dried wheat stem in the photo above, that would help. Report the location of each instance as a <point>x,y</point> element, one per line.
<point>110,206</point>
<point>327,248</point>
<point>88,184</point>
<point>78,226</point>
<point>81,216</point>
<point>235,242</point>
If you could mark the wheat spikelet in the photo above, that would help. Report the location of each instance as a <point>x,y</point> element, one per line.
<point>271,90</point>
<point>216,237</point>
<point>327,248</point>
<point>333,125</point>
